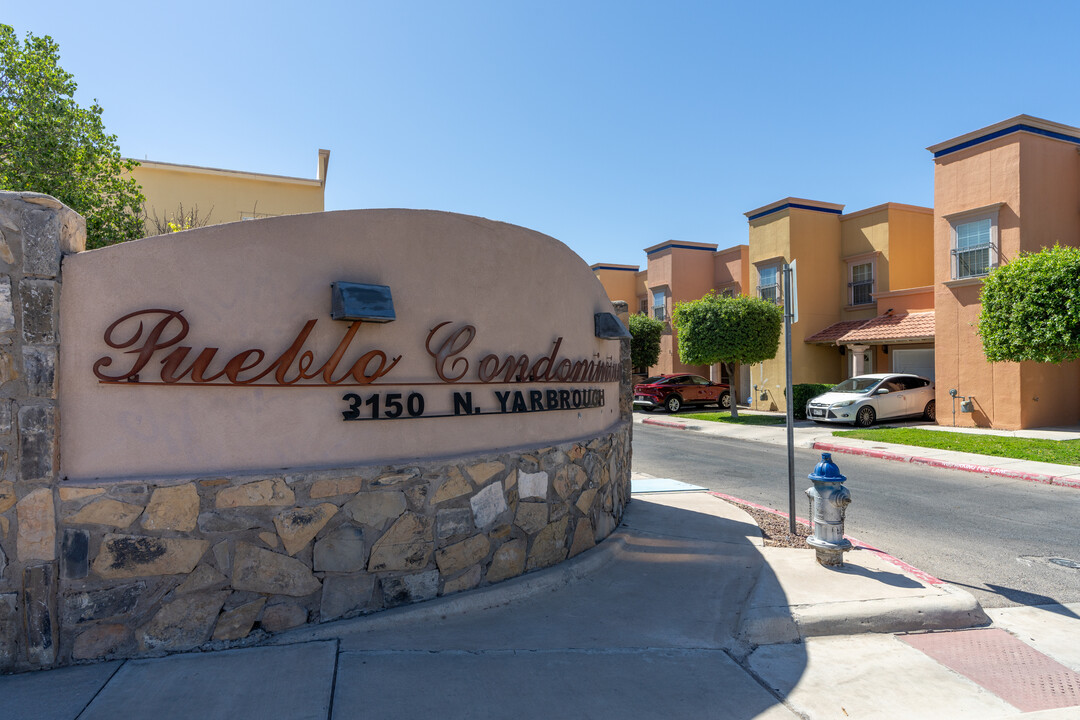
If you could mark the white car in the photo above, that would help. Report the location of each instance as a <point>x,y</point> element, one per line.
<point>865,398</point>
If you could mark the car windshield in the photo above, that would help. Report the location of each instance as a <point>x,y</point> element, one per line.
<point>856,385</point>
<point>658,380</point>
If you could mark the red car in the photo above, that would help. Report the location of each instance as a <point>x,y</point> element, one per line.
<point>674,391</point>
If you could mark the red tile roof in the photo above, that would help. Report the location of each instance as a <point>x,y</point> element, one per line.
<point>882,329</point>
<point>833,333</point>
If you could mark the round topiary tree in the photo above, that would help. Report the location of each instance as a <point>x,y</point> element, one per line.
<point>1031,308</point>
<point>731,330</point>
<point>645,341</point>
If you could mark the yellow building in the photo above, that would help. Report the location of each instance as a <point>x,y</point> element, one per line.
<point>864,285</point>
<point>210,196</point>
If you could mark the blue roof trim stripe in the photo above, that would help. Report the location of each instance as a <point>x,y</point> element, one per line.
<point>797,206</point>
<point>677,246</point>
<point>1007,131</point>
<point>612,267</point>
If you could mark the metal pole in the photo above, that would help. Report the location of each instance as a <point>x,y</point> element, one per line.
<point>790,400</point>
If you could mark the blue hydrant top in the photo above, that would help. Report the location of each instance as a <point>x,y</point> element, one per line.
<point>826,470</point>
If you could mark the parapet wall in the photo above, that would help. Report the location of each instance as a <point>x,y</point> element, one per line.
<point>97,564</point>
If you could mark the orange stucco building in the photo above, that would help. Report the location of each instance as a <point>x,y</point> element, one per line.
<point>1006,189</point>
<point>896,288</point>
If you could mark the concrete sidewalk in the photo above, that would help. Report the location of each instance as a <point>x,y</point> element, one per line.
<point>808,434</point>
<point>679,614</point>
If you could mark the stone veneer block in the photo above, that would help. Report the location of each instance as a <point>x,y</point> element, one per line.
<point>38,311</point>
<point>183,624</point>
<point>467,581</point>
<point>394,478</point>
<point>101,641</point>
<point>39,371</point>
<point>533,486</point>
<point>297,527</point>
<point>9,630</point>
<point>487,505</point>
<point>454,486</point>
<point>5,417</point>
<point>508,561</point>
<point>107,512</point>
<point>482,472</point>
<point>583,537</point>
<point>203,578</point>
<point>124,556</point>
<point>283,616</point>
<point>455,558</point>
<point>261,493</point>
<point>585,501</point>
<point>237,623</point>
<point>37,442</point>
<point>406,546</point>
<point>7,309</point>
<point>345,595</point>
<point>376,508</point>
<point>411,588</point>
<point>39,598</point>
<point>342,550</point>
<point>569,480</point>
<point>549,547</point>
<point>74,554</point>
<point>335,486</point>
<point>81,607</point>
<point>7,495</point>
<point>67,493</point>
<point>454,523</point>
<point>265,571</point>
<point>531,516</point>
<point>173,508</point>
<point>37,526</point>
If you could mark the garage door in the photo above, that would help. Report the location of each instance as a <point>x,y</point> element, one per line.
<point>916,362</point>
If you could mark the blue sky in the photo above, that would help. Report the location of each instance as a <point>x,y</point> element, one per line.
<point>611,126</point>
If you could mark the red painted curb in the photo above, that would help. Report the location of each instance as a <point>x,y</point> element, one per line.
<point>910,569</point>
<point>664,423</point>
<point>967,467</point>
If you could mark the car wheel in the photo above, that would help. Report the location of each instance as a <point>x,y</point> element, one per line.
<point>865,417</point>
<point>673,404</point>
<point>930,413</point>
<point>724,402</point>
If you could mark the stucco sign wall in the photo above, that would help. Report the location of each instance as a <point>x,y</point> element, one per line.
<point>216,350</point>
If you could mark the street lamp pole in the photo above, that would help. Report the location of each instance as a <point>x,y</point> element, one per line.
<point>789,396</point>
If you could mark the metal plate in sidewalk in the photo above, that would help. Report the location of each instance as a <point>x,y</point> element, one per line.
<point>651,485</point>
<point>1004,665</point>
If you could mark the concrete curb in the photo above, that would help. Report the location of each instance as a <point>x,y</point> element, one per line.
<point>951,465</point>
<point>666,423</point>
<point>461,603</point>
<point>947,608</point>
<point>944,608</point>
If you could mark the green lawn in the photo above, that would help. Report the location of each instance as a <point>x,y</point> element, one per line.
<point>1061,452</point>
<point>743,418</point>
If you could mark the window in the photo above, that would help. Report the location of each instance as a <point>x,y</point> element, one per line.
<point>643,306</point>
<point>768,287</point>
<point>862,284</point>
<point>659,304</point>
<point>729,293</point>
<point>974,245</point>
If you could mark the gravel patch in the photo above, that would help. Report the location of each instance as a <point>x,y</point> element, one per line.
<point>774,528</point>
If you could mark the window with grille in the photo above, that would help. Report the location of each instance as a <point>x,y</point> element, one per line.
<point>659,303</point>
<point>971,254</point>
<point>768,283</point>
<point>862,284</point>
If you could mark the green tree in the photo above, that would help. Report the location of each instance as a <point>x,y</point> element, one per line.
<point>49,144</point>
<point>645,342</point>
<point>730,330</point>
<point>1031,308</point>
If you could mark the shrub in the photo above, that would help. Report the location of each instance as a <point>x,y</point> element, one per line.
<point>803,392</point>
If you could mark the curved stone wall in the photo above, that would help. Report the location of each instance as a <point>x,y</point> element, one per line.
<point>159,568</point>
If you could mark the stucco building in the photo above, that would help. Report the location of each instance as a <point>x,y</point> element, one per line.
<point>223,196</point>
<point>1006,189</point>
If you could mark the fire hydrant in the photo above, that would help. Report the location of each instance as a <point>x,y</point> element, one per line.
<point>828,502</point>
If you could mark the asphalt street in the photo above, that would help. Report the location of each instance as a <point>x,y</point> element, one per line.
<point>998,538</point>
